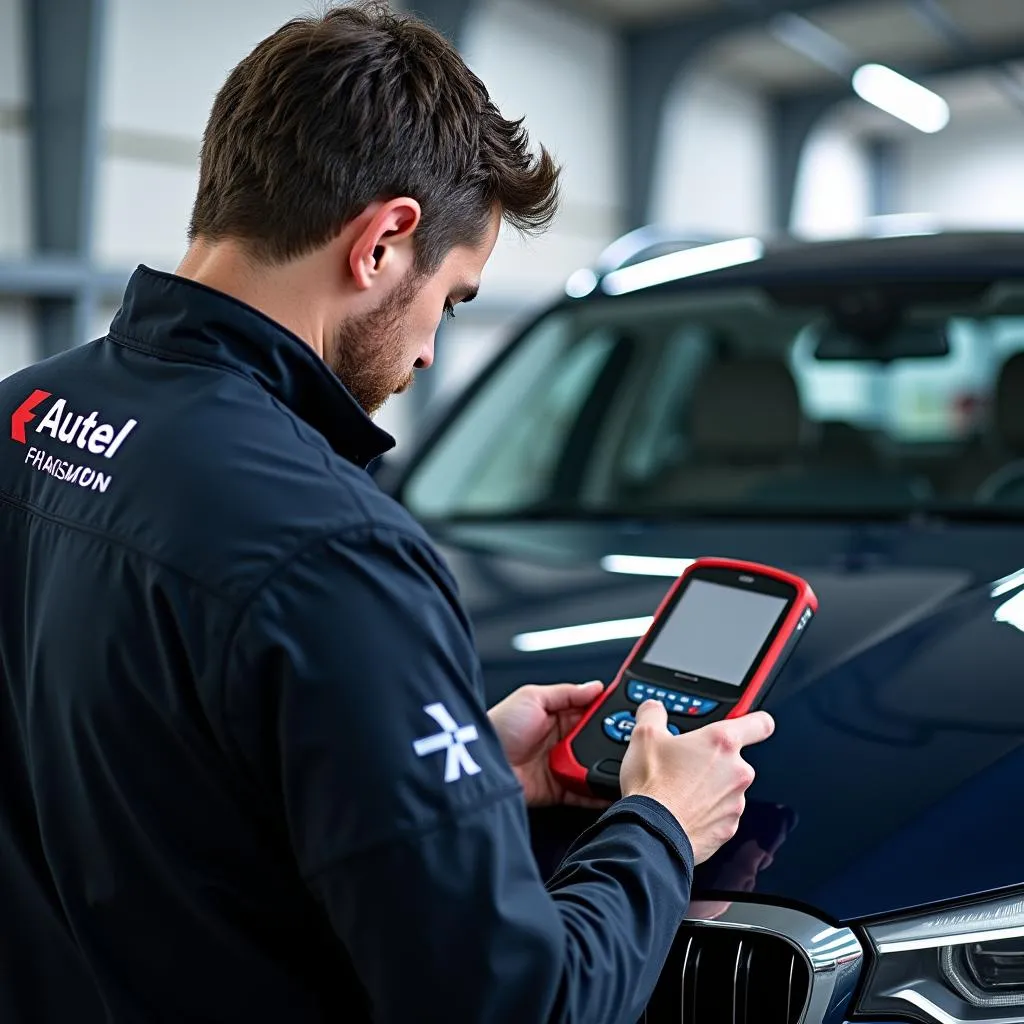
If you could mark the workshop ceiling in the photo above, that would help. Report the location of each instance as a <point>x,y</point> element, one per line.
<point>646,10</point>
<point>893,32</point>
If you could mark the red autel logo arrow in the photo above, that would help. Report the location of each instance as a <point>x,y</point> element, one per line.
<point>24,414</point>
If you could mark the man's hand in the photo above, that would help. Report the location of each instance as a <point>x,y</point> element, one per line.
<point>529,722</point>
<point>699,776</point>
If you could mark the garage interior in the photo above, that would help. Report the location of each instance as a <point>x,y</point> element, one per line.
<point>851,174</point>
<point>712,118</point>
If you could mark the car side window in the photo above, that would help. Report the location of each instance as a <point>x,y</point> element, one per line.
<point>646,431</point>
<point>732,400</point>
<point>490,461</point>
<point>661,436</point>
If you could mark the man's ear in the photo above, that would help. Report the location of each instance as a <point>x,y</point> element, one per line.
<point>383,243</point>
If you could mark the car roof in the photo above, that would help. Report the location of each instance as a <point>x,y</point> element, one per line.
<point>789,260</point>
<point>947,249</point>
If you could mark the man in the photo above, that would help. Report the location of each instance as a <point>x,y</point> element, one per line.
<point>247,773</point>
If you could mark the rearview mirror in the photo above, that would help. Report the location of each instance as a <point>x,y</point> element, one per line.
<point>905,341</point>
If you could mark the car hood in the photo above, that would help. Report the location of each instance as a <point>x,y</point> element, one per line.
<point>892,778</point>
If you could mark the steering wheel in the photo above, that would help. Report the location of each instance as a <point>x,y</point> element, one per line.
<point>1003,487</point>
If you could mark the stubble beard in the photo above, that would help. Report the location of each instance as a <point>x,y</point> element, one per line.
<point>367,352</point>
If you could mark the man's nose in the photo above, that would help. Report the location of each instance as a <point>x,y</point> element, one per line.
<point>426,357</point>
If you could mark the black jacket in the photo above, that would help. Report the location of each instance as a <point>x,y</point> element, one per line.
<point>246,771</point>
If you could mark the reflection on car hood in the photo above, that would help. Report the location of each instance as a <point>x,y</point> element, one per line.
<point>893,776</point>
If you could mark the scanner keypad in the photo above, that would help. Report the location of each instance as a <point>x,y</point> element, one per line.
<point>675,703</point>
<point>620,724</point>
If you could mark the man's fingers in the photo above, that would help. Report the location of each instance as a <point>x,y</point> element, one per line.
<point>653,712</point>
<point>752,728</point>
<point>566,696</point>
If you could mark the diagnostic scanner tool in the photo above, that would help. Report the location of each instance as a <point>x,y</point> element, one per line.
<point>718,641</point>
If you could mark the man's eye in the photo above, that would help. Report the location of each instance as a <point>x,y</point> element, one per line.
<point>449,309</point>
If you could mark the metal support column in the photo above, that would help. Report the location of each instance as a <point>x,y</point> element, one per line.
<point>654,59</point>
<point>64,44</point>
<point>793,118</point>
<point>883,176</point>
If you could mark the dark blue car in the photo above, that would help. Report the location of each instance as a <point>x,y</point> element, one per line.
<point>851,411</point>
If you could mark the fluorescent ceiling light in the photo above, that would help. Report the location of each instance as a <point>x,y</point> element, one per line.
<point>686,263</point>
<point>892,92</point>
<point>581,283</point>
<point>589,633</point>
<point>645,565</point>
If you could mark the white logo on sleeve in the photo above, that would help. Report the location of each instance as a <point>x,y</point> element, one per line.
<point>453,738</point>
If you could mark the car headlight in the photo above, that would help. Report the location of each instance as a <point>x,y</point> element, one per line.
<point>961,964</point>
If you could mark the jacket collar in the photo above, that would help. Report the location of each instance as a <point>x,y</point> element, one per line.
<point>176,315</point>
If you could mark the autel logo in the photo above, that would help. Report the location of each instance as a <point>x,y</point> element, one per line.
<point>70,427</point>
<point>24,414</point>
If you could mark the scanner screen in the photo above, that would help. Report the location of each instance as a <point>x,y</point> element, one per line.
<point>715,631</point>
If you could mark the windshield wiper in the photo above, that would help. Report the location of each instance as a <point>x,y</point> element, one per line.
<point>824,513</point>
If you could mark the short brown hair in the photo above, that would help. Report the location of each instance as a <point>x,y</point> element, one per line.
<point>331,113</point>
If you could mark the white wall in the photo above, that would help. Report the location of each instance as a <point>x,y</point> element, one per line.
<point>164,64</point>
<point>712,172</point>
<point>832,194</point>
<point>971,174</point>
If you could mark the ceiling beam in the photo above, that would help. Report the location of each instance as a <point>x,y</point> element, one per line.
<point>935,16</point>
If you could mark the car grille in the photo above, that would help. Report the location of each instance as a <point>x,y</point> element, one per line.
<point>730,976</point>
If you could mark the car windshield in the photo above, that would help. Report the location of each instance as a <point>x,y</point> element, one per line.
<point>887,398</point>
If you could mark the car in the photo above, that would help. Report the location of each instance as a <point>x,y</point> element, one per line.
<point>849,410</point>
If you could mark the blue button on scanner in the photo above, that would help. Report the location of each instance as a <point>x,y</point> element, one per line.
<point>619,726</point>
<point>675,703</point>
<point>638,691</point>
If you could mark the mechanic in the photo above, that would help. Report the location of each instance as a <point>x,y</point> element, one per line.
<point>248,774</point>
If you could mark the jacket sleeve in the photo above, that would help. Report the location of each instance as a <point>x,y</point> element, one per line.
<point>353,693</point>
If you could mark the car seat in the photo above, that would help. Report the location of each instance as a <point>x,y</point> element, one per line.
<point>1002,473</point>
<point>842,444</point>
<point>845,469</point>
<point>745,425</point>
